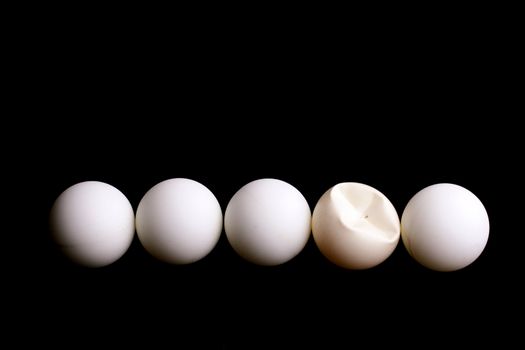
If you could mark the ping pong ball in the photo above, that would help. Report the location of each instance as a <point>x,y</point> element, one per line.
<point>355,226</point>
<point>93,223</point>
<point>179,221</point>
<point>445,227</point>
<point>268,222</point>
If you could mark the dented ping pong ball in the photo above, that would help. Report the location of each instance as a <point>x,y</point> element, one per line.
<point>355,226</point>
<point>445,227</point>
<point>93,223</point>
<point>179,221</point>
<point>268,222</point>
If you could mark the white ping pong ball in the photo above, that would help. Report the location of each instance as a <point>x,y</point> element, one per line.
<point>268,222</point>
<point>355,226</point>
<point>179,221</point>
<point>445,227</point>
<point>93,223</point>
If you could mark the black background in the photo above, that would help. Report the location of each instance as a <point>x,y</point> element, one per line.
<point>398,119</point>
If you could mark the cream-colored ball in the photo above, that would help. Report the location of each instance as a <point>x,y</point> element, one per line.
<point>355,226</point>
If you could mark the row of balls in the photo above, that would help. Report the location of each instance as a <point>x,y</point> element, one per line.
<point>444,227</point>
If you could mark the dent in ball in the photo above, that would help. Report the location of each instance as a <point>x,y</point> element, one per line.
<point>355,226</point>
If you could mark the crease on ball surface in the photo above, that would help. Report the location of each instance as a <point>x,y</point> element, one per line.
<point>355,226</point>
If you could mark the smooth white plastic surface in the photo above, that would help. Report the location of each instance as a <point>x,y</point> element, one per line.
<point>93,223</point>
<point>355,226</point>
<point>179,221</point>
<point>445,227</point>
<point>268,222</point>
